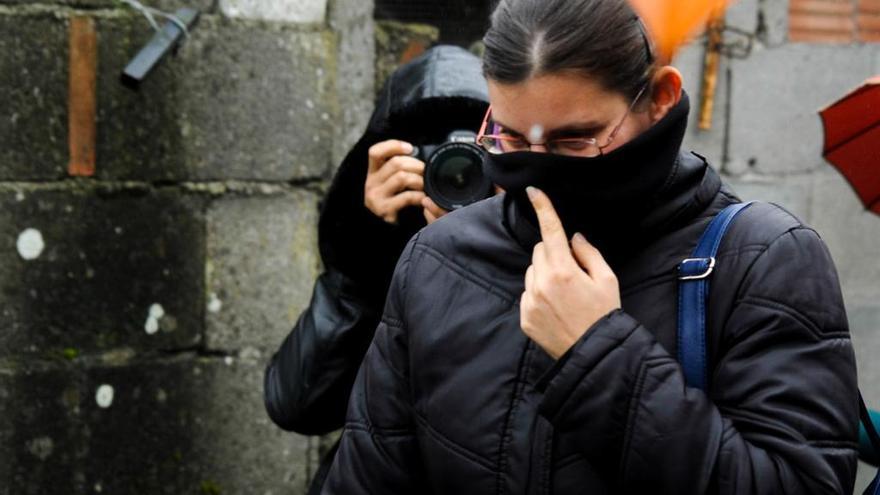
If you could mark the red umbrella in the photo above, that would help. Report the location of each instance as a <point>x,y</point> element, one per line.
<point>852,140</point>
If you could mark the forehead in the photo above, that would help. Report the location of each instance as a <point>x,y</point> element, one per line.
<point>554,101</point>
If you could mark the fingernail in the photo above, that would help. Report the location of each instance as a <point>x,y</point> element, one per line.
<point>578,237</point>
<point>532,192</point>
<point>407,148</point>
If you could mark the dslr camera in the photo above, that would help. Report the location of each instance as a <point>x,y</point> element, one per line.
<point>454,175</point>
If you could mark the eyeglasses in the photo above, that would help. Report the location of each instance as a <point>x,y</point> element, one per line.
<point>498,141</point>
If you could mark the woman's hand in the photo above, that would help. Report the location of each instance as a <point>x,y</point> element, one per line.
<point>395,180</point>
<point>568,287</point>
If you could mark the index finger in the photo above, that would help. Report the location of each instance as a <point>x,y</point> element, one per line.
<point>552,231</point>
<point>381,152</point>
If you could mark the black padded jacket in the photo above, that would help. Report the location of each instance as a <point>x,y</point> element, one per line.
<point>452,397</point>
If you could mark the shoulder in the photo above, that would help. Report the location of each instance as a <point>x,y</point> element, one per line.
<point>473,242</point>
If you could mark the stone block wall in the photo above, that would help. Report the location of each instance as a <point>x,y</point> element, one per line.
<point>141,303</point>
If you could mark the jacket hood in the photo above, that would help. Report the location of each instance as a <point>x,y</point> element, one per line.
<point>421,102</point>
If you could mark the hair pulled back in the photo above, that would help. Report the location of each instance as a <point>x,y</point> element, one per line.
<point>601,39</point>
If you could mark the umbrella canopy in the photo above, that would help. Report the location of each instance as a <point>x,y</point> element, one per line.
<point>852,140</point>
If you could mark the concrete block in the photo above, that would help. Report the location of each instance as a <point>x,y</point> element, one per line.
<point>352,20</point>
<point>852,235</point>
<point>84,272</point>
<point>179,425</point>
<point>33,92</point>
<point>41,439</point>
<point>774,22</point>
<point>794,193</point>
<point>295,11</point>
<point>201,428</point>
<point>743,14</point>
<point>777,93</point>
<point>262,263</point>
<point>242,100</point>
<point>709,143</point>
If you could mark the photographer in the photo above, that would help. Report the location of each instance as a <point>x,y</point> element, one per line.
<point>375,204</point>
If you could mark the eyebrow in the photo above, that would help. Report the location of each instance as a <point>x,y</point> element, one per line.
<point>579,128</point>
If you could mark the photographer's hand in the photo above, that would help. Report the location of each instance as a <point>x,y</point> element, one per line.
<point>394,180</point>
<point>568,288</point>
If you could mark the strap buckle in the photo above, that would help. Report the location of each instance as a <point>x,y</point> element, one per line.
<point>708,265</point>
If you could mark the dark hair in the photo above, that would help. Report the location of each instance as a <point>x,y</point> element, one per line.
<point>602,39</point>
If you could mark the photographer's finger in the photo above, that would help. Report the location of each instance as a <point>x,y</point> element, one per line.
<point>404,199</point>
<point>379,153</point>
<point>402,181</point>
<point>429,205</point>
<point>396,164</point>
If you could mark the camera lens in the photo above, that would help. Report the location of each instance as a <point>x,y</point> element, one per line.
<point>454,176</point>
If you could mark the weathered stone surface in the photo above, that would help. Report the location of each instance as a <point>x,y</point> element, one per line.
<point>352,20</point>
<point>180,425</point>
<point>775,127</point>
<point>83,272</point>
<point>296,11</point>
<point>201,428</point>
<point>240,101</point>
<point>41,438</point>
<point>262,263</point>
<point>709,143</point>
<point>33,92</point>
<point>775,22</point>
<point>851,234</point>
<point>398,43</point>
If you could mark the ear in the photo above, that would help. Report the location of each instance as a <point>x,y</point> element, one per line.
<point>666,92</point>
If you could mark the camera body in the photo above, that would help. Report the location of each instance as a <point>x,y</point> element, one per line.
<point>454,175</point>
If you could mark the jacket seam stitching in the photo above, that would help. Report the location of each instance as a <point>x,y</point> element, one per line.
<point>454,446</point>
<point>644,366</point>
<point>463,273</point>
<point>805,320</point>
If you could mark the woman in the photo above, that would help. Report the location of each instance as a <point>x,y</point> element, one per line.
<point>528,344</point>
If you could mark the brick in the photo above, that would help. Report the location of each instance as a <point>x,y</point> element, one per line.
<point>775,127</point>
<point>295,11</point>
<point>107,259</point>
<point>241,101</point>
<point>33,89</point>
<point>262,263</point>
<point>822,20</point>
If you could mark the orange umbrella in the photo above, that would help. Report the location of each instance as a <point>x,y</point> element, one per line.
<point>672,22</point>
<point>852,140</point>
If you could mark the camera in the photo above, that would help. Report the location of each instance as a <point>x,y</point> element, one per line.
<point>454,175</point>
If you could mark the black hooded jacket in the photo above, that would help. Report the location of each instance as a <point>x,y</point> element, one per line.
<point>452,397</point>
<point>309,379</point>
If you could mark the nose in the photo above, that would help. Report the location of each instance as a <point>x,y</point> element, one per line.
<point>541,148</point>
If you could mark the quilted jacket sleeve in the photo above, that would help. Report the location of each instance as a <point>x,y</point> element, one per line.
<point>781,415</point>
<point>378,452</point>
<point>308,381</point>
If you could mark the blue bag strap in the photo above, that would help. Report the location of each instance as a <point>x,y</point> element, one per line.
<point>693,292</point>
